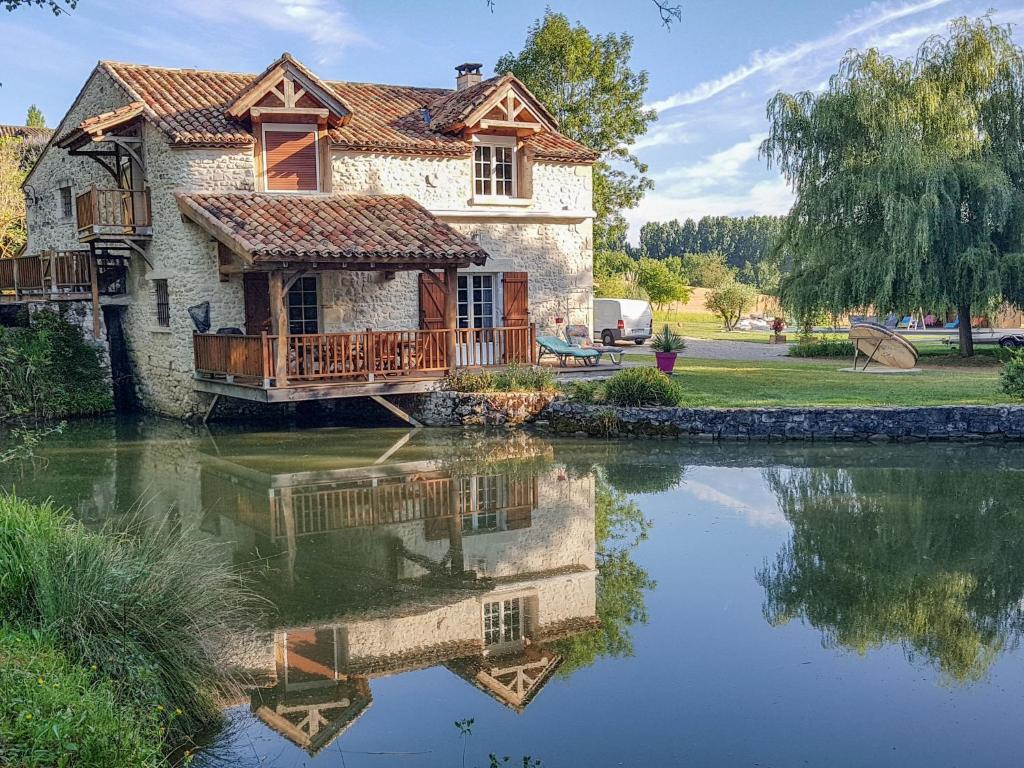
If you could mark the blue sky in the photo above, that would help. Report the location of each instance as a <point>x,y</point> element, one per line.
<point>711,75</point>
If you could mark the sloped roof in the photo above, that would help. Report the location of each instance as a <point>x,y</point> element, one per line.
<point>190,106</point>
<point>353,230</point>
<point>104,121</point>
<point>451,110</point>
<point>33,135</point>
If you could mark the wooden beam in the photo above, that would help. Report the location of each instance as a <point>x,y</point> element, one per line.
<point>384,403</point>
<point>279,318</point>
<point>451,312</point>
<point>516,124</point>
<point>94,289</point>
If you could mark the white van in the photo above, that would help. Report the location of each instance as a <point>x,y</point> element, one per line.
<point>622,320</point>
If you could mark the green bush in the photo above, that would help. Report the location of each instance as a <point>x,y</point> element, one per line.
<point>1011,377</point>
<point>54,712</point>
<point>642,387</point>
<point>588,392</point>
<point>49,370</point>
<point>514,378</point>
<point>149,610</point>
<point>523,378</point>
<point>822,346</point>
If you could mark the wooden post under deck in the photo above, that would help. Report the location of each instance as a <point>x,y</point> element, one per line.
<point>279,318</point>
<point>451,312</point>
<point>94,287</point>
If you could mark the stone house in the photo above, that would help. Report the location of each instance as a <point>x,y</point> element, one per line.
<point>345,239</point>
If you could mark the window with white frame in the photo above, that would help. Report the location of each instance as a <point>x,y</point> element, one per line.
<point>503,621</point>
<point>477,300</point>
<point>494,167</point>
<point>480,504</point>
<point>304,306</point>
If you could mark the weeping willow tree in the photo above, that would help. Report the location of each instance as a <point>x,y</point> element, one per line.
<point>908,177</point>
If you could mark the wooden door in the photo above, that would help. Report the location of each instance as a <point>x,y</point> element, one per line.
<point>431,303</point>
<point>257,303</point>
<point>515,299</point>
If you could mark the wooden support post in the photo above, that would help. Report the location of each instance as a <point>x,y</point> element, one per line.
<point>385,403</point>
<point>94,288</point>
<point>451,312</point>
<point>279,317</point>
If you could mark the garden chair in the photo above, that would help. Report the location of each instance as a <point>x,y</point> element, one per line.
<point>906,322</point>
<point>955,325</point>
<point>579,336</point>
<point>552,345</point>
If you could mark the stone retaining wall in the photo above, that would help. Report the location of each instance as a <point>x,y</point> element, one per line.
<point>884,424</point>
<point>453,409</point>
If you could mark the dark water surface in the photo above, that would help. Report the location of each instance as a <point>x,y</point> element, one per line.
<point>588,603</point>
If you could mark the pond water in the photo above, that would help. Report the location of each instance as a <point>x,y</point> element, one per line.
<point>443,596</point>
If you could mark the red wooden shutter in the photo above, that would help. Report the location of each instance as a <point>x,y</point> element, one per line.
<point>516,299</point>
<point>291,160</point>
<point>431,303</point>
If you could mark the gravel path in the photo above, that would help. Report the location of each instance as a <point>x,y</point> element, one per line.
<point>714,349</point>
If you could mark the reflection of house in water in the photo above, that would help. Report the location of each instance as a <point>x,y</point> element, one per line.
<point>407,565</point>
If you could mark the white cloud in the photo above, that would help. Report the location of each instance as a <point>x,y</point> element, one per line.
<point>764,513</point>
<point>322,22</point>
<point>871,18</point>
<point>716,168</point>
<point>669,133</point>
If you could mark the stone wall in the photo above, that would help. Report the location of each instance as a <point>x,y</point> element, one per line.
<point>886,424</point>
<point>452,409</point>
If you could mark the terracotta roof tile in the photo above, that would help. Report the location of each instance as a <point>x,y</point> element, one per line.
<point>558,148</point>
<point>189,105</point>
<point>33,135</point>
<point>359,229</point>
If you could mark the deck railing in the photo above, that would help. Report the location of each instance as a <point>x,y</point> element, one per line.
<point>361,355</point>
<point>113,211</point>
<point>57,274</point>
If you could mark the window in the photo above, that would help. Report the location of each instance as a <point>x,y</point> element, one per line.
<point>163,303</point>
<point>480,505</point>
<point>503,621</point>
<point>304,306</point>
<point>494,169</point>
<point>66,211</point>
<point>290,158</point>
<point>476,301</point>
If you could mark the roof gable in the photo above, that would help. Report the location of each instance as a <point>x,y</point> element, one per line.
<point>500,102</point>
<point>287,87</point>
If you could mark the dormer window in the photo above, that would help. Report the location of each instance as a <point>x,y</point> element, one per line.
<point>494,166</point>
<point>291,158</point>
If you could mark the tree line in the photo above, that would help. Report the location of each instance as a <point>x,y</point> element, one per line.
<point>749,244</point>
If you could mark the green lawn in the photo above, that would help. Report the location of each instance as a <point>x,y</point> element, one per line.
<point>704,326</point>
<point>735,383</point>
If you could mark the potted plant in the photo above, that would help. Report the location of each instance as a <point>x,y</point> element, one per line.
<point>667,346</point>
<point>778,326</point>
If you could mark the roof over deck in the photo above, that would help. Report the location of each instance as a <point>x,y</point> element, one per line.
<point>363,232</point>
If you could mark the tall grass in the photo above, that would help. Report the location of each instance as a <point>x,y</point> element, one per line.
<point>149,609</point>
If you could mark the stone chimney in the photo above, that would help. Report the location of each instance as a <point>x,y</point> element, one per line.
<point>469,75</point>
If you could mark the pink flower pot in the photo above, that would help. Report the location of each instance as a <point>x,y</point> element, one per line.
<point>666,361</point>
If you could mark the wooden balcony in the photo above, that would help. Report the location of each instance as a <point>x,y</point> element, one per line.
<point>60,276</point>
<point>327,365</point>
<point>113,213</point>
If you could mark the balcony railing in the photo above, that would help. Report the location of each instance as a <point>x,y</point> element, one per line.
<point>360,356</point>
<point>59,275</point>
<point>113,212</point>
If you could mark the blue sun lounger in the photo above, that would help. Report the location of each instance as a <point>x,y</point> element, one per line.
<point>552,345</point>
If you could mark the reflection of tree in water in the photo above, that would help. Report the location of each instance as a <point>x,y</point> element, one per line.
<point>620,526</point>
<point>653,474</point>
<point>927,558</point>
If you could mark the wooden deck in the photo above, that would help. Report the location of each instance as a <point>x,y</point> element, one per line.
<point>119,213</point>
<point>60,276</point>
<point>352,364</point>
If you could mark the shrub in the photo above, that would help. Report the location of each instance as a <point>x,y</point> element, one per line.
<point>49,370</point>
<point>514,378</point>
<point>462,380</point>
<point>822,346</point>
<point>1011,377</point>
<point>149,611</point>
<point>523,378</point>
<point>55,712</point>
<point>587,392</point>
<point>642,387</point>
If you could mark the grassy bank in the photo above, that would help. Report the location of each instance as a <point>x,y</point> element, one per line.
<point>109,642</point>
<point>740,384</point>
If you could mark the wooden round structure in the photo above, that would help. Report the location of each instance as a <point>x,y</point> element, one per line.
<point>883,346</point>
